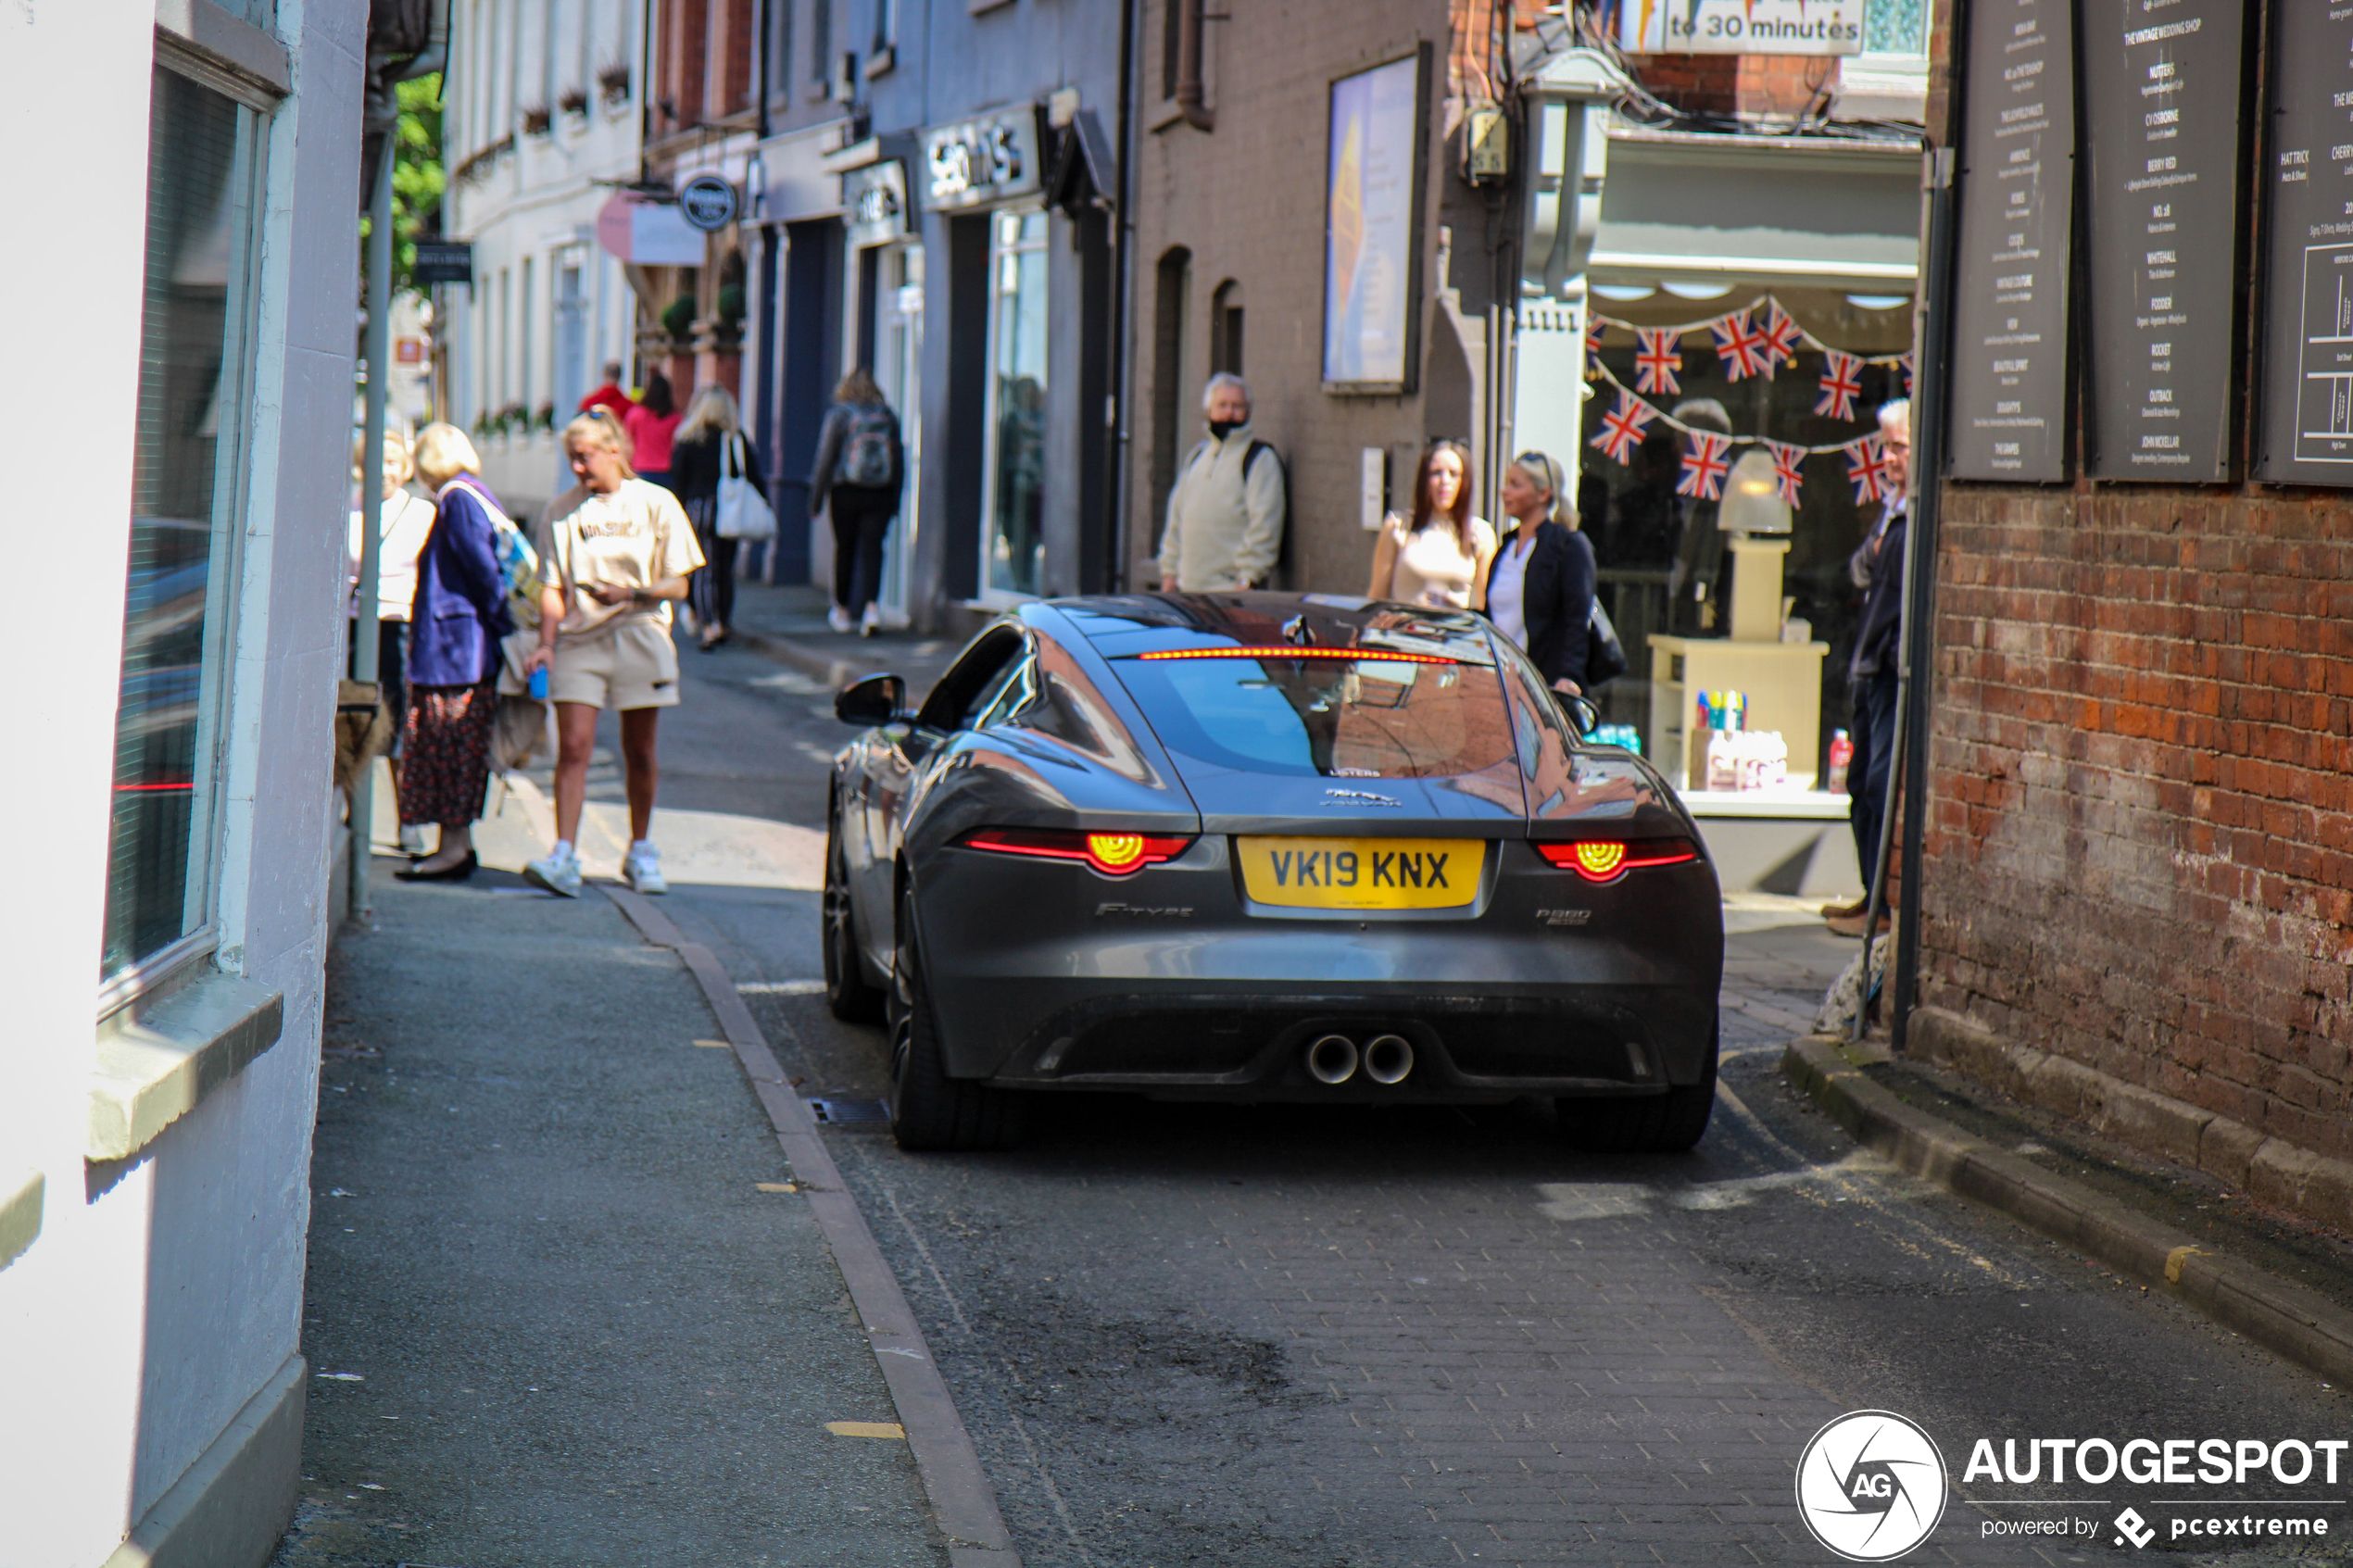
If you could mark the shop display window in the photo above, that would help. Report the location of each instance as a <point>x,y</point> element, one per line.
<point>1667,569</point>
<point>1016,542</point>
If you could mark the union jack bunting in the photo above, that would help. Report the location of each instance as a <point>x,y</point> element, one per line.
<point>1593,327</point>
<point>1781,335</point>
<point>1842,383</point>
<point>1741,346</point>
<point>1657,360</point>
<point>1705,461</point>
<point>1867,469</point>
<point>1786,459</point>
<point>1906,363</point>
<point>1622,428</point>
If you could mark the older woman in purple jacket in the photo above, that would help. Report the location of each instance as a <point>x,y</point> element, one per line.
<point>454,630</point>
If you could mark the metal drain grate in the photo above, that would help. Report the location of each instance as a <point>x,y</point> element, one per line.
<point>851,1115</point>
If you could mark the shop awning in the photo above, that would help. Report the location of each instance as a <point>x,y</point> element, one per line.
<point>1792,210</point>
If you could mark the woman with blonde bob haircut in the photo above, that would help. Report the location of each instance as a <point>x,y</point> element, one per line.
<point>615,551</point>
<point>458,616</point>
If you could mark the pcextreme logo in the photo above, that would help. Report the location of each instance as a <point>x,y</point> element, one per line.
<point>1870,1486</point>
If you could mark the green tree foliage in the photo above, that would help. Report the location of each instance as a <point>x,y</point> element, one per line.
<point>418,179</point>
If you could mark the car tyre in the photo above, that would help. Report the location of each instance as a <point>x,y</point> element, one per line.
<point>853,997</point>
<point>1666,1123</point>
<point>928,1109</point>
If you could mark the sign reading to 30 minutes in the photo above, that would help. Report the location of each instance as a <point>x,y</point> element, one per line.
<point>2161,88</point>
<point>2010,302</point>
<point>2306,431</point>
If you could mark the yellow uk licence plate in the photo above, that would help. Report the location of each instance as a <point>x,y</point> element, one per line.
<point>1362,873</point>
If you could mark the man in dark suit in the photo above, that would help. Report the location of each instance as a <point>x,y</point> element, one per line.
<point>1878,569</point>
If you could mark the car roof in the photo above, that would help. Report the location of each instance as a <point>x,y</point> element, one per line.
<point>1118,624</point>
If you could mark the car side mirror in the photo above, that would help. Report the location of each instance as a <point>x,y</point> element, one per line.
<point>877,700</point>
<point>1581,710</point>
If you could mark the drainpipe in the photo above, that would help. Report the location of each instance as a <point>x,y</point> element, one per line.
<point>1190,100</point>
<point>1123,301</point>
<point>383,119</point>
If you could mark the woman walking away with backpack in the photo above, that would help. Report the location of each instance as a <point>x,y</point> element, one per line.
<point>710,447</point>
<point>860,468</point>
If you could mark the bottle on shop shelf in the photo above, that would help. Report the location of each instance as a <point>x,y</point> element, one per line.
<point>1841,754</point>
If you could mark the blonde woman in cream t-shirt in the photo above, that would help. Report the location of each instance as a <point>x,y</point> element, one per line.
<point>614,551</point>
<point>1439,558</point>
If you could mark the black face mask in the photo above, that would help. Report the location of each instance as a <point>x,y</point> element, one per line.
<point>1221,429</point>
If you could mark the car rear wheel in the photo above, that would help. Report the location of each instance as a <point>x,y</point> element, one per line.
<point>853,999</point>
<point>929,1109</point>
<point>1666,1123</point>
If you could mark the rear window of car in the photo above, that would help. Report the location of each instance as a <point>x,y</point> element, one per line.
<point>1353,718</point>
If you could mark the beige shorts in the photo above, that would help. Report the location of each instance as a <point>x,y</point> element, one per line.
<point>633,665</point>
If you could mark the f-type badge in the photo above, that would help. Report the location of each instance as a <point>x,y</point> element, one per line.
<point>1145,910</point>
<point>1358,797</point>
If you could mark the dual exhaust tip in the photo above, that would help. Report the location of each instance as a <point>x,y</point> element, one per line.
<point>1386,1058</point>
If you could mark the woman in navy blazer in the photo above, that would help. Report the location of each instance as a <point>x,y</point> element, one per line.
<point>453,631</point>
<point>1540,585</point>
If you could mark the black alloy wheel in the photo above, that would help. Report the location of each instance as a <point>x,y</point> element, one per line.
<point>1666,1123</point>
<point>853,997</point>
<point>928,1109</point>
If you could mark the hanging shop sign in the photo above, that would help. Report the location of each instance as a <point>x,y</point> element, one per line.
<point>2307,425</point>
<point>2016,210</point>
<point>2161,118</point>
<point>1372,229</point>
<point>443,261</point>
<point>650,233</point>
<point>981,160</point>
<point>873,199</point>
<point>1741,27</point>
<point>707,201</point>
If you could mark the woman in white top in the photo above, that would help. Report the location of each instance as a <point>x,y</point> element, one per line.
<point>615,551</point>
<point>408,519</point>
<point>1438,558</point>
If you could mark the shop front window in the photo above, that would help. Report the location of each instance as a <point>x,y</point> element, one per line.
<point>185,490</point>
<point>1016,544</point>
<point>1675,566</point>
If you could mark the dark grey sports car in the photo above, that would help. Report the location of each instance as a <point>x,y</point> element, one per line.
<point>1265,846</point>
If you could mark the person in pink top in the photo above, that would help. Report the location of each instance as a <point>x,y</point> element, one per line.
<point>651,424</point>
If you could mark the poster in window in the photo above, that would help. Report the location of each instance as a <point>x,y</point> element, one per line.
<point>1372,229</point>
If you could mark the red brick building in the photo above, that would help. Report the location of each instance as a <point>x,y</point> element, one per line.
<point>2137,886</point>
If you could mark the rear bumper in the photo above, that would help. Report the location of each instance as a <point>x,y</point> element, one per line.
<point>1047,975</point>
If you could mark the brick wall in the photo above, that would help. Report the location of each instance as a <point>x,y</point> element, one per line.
<point>2139,848</point>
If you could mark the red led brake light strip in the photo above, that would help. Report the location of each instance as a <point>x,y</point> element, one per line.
<point>1369,656</point>
<point>1113,854</point>
<point>1607,860</point>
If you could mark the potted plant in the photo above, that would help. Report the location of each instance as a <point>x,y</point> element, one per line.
<point>612,82</point>
<point>536,121</point>
<point>679,317</point>
<point>574,102</point>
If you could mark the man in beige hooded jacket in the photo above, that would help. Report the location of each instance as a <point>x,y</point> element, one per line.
<point>1229,505</point>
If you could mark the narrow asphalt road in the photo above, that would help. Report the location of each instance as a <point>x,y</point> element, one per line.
<point>1190,1335</point>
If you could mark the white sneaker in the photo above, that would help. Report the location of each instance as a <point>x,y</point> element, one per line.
<point>838,618</point>
<point>412,838</point>
<point>871,623</point>
<point>642,869</point>
<point>557,874</point>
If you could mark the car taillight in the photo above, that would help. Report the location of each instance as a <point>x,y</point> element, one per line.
<point>1606,859</point>
<point>1113,854</point>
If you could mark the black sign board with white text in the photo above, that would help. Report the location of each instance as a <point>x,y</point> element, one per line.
<point>443,261</point>
<point>2017,212</point>
<point>2307,427</point>
<point>2162,84</point>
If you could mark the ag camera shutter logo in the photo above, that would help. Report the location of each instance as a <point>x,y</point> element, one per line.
<point>1870,1486</point>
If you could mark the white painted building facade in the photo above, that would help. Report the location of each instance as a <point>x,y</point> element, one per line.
<point>541,120</point>
<point>166,942</point>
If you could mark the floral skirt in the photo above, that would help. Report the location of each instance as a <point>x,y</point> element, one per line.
<point>445,742</point>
